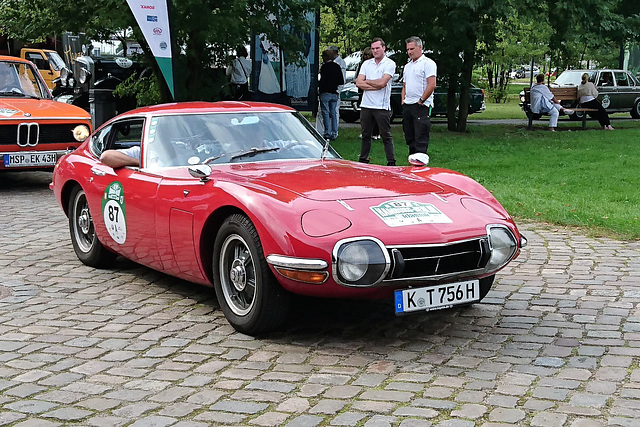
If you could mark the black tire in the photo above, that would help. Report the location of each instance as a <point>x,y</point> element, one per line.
<point>485,285</point>
<point>248,294</point>
<point>349,117</point>
<point>577,116</point>
<point>635,112</point>
<point>88,248</point>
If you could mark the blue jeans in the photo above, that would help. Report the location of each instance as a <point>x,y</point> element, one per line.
<point>328,103</point>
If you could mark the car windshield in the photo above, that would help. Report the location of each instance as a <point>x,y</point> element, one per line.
<point>215,138</point>
<point>20,80</point>
<point>574,77</point>
<point>55,60</point>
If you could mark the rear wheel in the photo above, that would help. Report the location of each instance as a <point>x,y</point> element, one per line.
<point>635,112</point>
<point>88,248</point>
<point>577,116</point>
<point>249,296</point>
<point>349,116</point>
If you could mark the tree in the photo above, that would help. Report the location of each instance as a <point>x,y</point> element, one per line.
<point>205,31</point>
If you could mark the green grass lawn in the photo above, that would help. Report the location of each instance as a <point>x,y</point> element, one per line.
<point>582,178</point>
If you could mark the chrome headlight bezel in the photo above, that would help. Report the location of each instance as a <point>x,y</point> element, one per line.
<point>503,247</point>
<point>360,262</point>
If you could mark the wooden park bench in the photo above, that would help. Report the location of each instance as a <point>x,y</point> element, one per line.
<point>561,94</point>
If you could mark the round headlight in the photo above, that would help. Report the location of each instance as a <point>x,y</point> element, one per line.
<point>64,76</point>
<point>353,262</point>
<point>503,247</point>
<point>84,76</point>
<point>81,132</point>
<point>360,262</point>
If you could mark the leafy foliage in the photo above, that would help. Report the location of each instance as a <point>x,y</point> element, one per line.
<point>205,31</point>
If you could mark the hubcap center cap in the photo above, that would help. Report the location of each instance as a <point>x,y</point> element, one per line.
<point>83,221</point>
<point>238,275</point>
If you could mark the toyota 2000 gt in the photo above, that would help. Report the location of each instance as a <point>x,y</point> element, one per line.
<point>249,199</point>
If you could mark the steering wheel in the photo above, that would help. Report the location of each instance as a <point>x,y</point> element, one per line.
<point>295,144</point>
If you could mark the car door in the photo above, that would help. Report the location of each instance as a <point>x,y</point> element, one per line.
<point>37,57</point>
<point>125,216</point>
<point>607,90</point>
<point>626,90</point>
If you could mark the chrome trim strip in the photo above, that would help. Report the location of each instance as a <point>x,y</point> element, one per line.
<point>296,263</point>
<point>439,245</point>
<point>17,117</point>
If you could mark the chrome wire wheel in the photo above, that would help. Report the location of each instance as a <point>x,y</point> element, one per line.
<point>237,275</point>
<point>83,231</point>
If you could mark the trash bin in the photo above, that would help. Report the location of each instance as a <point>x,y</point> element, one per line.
<point>102,106</point>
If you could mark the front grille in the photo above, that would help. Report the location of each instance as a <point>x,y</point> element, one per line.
<point>432,262</point>
<point>48,133</point>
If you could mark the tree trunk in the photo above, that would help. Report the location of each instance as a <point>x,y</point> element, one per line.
<point>452,102</point>
<point>467,73</point>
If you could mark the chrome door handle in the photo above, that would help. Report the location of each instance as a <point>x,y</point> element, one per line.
<point>97,171</point>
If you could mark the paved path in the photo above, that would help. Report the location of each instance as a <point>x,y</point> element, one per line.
<point>555,343</point>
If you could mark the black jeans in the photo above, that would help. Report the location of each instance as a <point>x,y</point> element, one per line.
<point>368,118</point>
<point>416,125</point>
<point>601,115</point>
<point>240,91</point>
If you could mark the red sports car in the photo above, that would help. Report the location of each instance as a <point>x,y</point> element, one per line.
<point>249,199</point>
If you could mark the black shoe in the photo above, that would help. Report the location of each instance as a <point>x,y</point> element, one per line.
<point>391,163</point>
<point>363,160</point>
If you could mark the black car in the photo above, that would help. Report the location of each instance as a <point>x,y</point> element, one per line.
<point>350,108</point>
<point>618,90</point>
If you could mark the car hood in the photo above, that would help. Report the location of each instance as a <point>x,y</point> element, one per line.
<point>339,179</point>
<point>34,109</point>
<point>363,198</point>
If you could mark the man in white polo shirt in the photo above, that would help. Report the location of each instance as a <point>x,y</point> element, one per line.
<point>375,79</point>
<point>418,84</point>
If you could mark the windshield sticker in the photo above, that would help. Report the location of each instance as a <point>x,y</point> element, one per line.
<point>7,112</point>
<point>403,212</point>
<point>114,213</point>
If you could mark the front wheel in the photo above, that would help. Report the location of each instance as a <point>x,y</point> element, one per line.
<point>88,248</point>
<point>248,294</point>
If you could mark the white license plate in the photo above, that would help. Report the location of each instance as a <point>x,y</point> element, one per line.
<point>26,158</point>
<point>346,104</point>
<point>436,297</point>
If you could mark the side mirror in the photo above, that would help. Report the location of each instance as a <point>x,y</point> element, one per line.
<point>419,159</point>
<point>202,172</point>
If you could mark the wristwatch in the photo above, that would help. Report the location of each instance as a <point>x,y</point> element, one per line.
<point>422,100</point>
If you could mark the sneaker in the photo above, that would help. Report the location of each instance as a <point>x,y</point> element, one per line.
<point>568,111</point>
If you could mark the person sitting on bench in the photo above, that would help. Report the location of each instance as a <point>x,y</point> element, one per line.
<point>543,102</point>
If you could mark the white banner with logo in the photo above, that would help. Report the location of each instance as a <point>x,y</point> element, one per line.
<point>153,19</point>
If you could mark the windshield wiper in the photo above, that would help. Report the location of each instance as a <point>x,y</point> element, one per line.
<point>253,151</point>
<point>17,94</point>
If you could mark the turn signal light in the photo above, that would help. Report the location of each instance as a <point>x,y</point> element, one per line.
<point>311,277</point>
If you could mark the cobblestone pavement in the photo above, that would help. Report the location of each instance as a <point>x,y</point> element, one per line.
<point>555,343</point>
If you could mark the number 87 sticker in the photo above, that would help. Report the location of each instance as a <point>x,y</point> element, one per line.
<point>114,213</point>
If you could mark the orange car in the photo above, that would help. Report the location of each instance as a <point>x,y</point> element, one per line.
<point>35,130</point>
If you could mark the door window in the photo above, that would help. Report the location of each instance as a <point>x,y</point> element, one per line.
<point>622,78</point>
<point>606,79</point>
<point>37,59</point>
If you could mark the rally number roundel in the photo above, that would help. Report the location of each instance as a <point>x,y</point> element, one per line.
<point>114,212</point>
